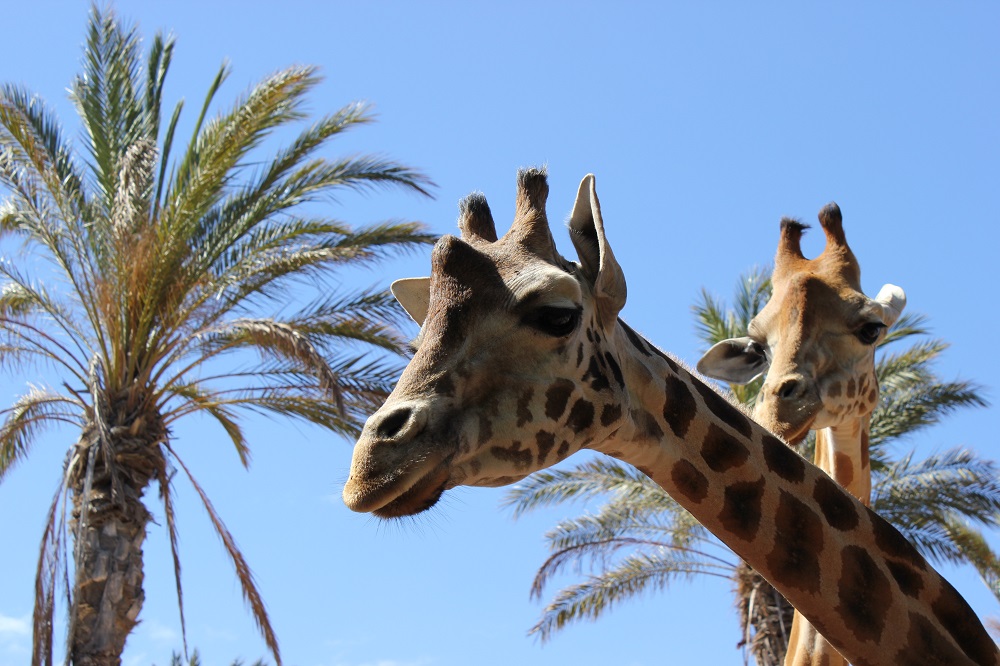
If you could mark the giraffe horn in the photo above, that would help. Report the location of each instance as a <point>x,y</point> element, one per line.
<point>837,251</point>
<point>475,219</point>
<point>531,226</point>
<point>789,247</point>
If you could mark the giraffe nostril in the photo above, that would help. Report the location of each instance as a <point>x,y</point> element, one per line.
<point>393,423</point>
<point>789,389</point>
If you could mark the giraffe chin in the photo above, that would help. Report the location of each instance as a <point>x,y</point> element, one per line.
<point>419,497</point>
<point>794,435</point>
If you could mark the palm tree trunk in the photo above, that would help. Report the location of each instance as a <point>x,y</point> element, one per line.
<point>109,574</point>
<point>109,522</point>
<point>765,617</point>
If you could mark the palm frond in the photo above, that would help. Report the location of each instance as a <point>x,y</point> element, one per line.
<point>51,559</point>
<point>909,324</point>
<point>594,478</point>
<point>956,482</point>
<point>249,587</point>
<point>715,323</point>
<point>164,479</point>
<point>906,411</point>
<point>24,420</point>
<point>278,340</point>
<point>206,402</point>
<point>651,570</point>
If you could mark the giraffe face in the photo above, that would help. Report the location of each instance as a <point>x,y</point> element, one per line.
<point>820,344</point>
<point>512,370</point>
<point>815,338</point>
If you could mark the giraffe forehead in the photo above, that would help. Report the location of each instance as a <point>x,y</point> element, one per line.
<point>543,282</point>
<point>809,305</point>
<point>501,273</point>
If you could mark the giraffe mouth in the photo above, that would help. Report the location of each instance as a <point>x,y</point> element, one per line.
<point>409,492</point>
<point>418,497</point>
<point>796,436</point>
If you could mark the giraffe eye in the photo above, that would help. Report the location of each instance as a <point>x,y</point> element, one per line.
<point>870,333</point>
<point>555,321</point>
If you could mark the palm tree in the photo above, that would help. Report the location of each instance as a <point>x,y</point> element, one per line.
<point>162,273</point>
<point>638,539</point>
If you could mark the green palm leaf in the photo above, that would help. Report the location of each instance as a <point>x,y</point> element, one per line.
<point>166,292</point>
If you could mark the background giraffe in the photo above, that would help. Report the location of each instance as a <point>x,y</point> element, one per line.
<point>522,360</point>
<point>816,341</point>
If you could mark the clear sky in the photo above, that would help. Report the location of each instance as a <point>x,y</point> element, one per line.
<point>704,123</point>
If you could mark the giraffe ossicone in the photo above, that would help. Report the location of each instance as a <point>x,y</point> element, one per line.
<point>522,360</point>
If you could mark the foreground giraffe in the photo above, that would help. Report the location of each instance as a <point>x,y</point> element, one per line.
<point>522,360</point>
<point>816,340</point>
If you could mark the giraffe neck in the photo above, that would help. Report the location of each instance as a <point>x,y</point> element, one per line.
<point>848,571</point>
<point>842,452</point>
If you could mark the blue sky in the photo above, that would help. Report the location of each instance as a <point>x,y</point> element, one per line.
<point>704,123</point>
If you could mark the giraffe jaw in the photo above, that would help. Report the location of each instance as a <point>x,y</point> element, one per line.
<point>406,493</point>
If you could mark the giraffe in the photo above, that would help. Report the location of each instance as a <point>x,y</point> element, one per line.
<point>522,360</point>
<point>816,341</point>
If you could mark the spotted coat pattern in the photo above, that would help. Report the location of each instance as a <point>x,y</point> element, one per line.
<point>522,361</point>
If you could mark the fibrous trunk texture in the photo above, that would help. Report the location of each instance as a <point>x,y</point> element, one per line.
<point>118,455</point>
<point>765,617</point>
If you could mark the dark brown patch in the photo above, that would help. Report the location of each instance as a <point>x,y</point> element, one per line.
<point>782,460</point>
<point>598,381</point>
<point>723,409</point>
<point>545,442</point>
<point>634,338</point>
<point>721,451</point>
<point>563,449</point>
<point>894,544</point>
<point>524,407</point>
<point>444,385</point>
<point>679,409</point>
<point>741,509</point>
<point>843,468</point>
<point>851,388</point>
<point>615,369</point>
<point>909,581</point>
<point>671,363</point>
<point>514,454</point>
<point>647,424</point>
<point>865,594</point>
<point>579,355</point>
<point>799,537</point>
<point>689,481</point>
<point>485,429</point>
<point>833,390</point>
<point>581,416</point>
<point>837,507</point>
<point>925,645</point>
<point>610,414</point>
<point>557,397</point>
<point>958,618</point>
<point>872,396</point>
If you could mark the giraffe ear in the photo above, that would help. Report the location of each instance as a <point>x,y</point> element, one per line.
<point>893,300</point>
<point>414,294</point>
<point>736,360</point>
<point>586,228</point>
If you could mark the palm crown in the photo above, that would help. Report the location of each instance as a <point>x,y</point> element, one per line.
<point>638,539</point>
<point>158,269</point>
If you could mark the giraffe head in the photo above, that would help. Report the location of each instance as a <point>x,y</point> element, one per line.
<point>512,369</point>
<point>815,338</point>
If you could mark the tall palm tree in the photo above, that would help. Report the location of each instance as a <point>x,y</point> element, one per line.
<point>162,273</point>
<point>634,538</point>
